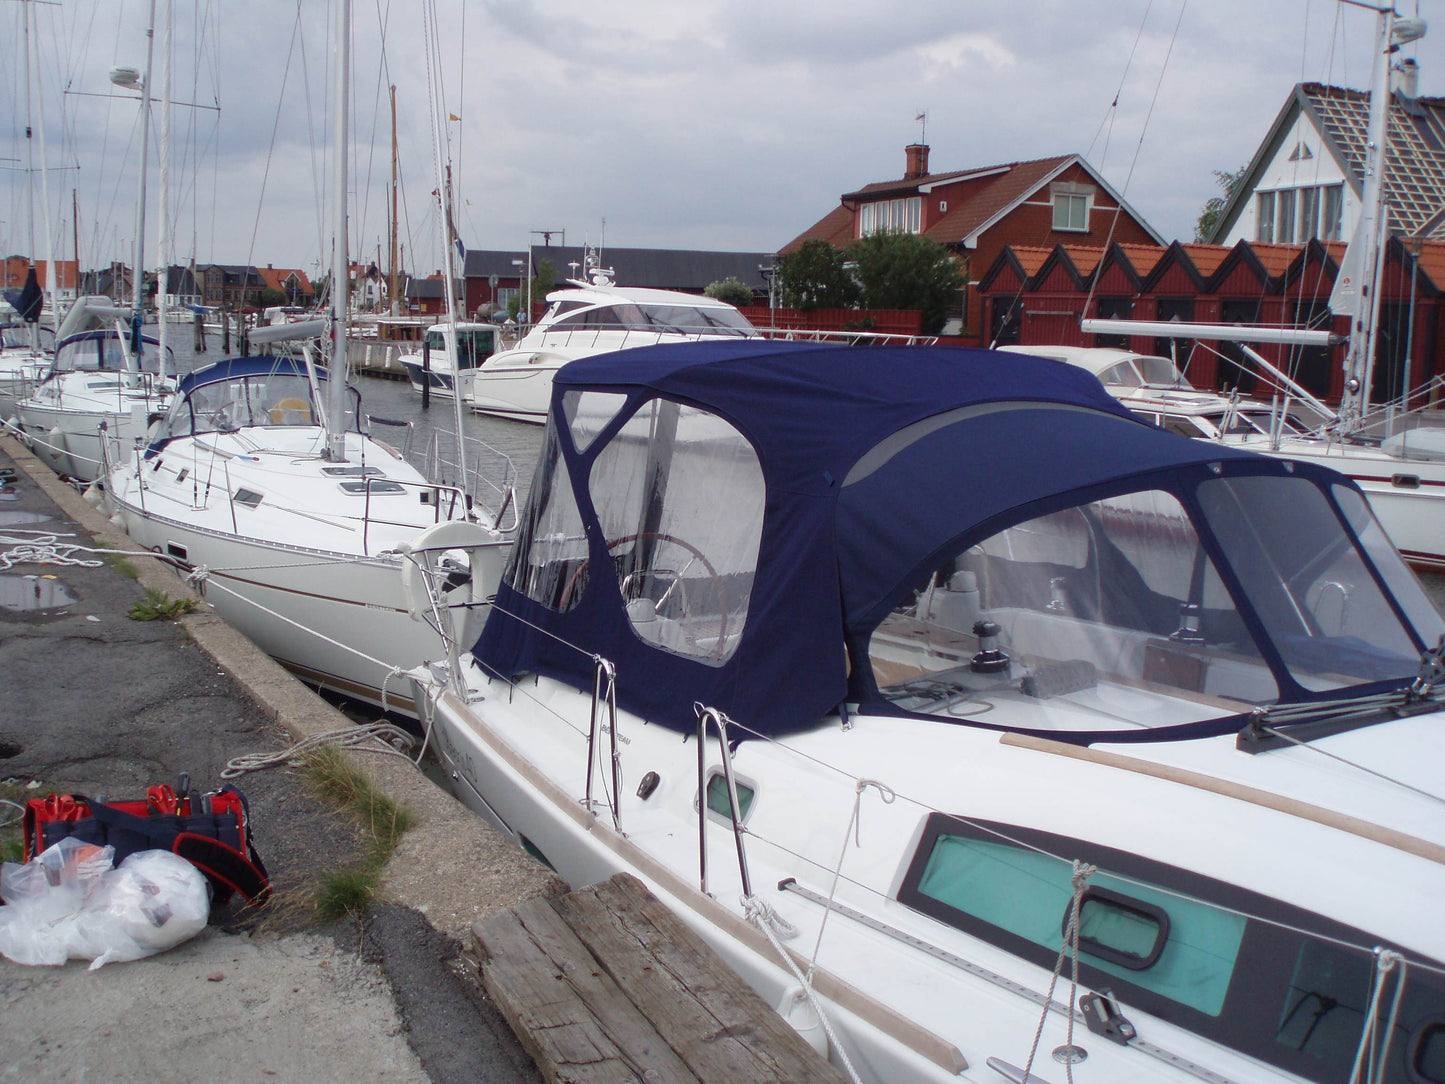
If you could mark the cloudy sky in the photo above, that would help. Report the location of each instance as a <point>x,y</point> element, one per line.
<point>678,123</point>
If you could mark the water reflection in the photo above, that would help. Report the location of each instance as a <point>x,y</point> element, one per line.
<point>30,594</point>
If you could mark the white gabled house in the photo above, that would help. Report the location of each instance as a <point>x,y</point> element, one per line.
<point>1305,180</point>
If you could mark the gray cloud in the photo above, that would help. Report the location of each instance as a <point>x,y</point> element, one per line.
<point>707,124</point>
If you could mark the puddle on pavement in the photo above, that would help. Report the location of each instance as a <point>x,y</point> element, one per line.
<point>18,519</point>
<point>31,594</point>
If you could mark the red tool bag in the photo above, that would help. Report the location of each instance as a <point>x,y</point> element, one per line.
<point>210,831</point>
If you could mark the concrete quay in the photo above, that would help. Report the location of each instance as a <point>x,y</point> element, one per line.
<point>96,703</point>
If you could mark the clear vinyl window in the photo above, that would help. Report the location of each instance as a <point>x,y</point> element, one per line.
<point>1103,616</point>
<point>1314,592</point>
<point>679,495</point>
<point>549,558</point>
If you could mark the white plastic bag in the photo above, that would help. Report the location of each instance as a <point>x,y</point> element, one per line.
<point>70,904</point>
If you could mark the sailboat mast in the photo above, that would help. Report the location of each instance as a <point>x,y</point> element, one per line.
<point>51,285</point>
<point>391,283</point>
<point>138,273</point>
<point>340,287</point>
<point>163,227</point>
<point>447,228</point>
<point>1360,357</point>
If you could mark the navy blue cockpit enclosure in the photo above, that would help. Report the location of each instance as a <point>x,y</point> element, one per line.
<point>762,507</point>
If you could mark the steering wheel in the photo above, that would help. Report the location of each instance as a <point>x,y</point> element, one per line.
<point>612,543</point>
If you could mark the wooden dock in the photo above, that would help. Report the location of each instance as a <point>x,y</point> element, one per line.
<point>607,985</point>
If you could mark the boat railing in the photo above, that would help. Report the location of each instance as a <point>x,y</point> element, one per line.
<point>848,338</point>
<point>490,476</point>
<point>604,701</point>
<point>409,426</point>
<point>706,715</point>
<point>447,501</point>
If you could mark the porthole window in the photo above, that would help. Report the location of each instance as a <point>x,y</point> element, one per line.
<point>1124,931</point>
<point>1426,1060</point>
<point>717,797</point>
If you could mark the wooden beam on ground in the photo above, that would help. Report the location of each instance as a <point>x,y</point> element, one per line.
<point>607,985</point>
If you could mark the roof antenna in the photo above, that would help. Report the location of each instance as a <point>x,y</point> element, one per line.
<point>922,120</point>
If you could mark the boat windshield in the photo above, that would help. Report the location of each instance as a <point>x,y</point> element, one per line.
<point>658,319</point>
<point>17,337</point>
<point>105,352</point>
<point>1160,372</point>
<point>1112,614</point>
<point>267,399</point>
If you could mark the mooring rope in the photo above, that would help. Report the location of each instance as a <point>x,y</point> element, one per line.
<point>385,738</point>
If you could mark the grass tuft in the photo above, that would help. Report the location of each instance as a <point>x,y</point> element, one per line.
<point>159,606</point>
<point>332,776</point>
<point>119,564</point>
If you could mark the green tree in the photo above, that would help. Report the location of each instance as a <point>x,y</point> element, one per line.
<point>814,278</point>
<point>269,297</point>
<point>907,271</point>
<point>1214,206</point>
<point>731,289</point>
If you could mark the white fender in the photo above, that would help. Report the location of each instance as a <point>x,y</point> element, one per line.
<point>454,534</point>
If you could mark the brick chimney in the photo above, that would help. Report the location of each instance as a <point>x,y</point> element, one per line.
<point>916,159</point>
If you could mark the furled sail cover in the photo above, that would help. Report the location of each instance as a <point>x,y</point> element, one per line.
<point>689,519</point>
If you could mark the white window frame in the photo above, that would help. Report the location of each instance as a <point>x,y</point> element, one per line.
<point>1064,205</point>
<point>901,215</point>
<point>1264,205</point>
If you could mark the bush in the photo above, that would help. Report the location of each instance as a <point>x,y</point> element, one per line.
<point>906,271</point>
<point>732,290</point>
<point>814,278</point>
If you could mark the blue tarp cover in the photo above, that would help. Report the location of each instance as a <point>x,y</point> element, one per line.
<point>961,441</point>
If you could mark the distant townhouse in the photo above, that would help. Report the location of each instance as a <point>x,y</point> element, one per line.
<point>291,281</point>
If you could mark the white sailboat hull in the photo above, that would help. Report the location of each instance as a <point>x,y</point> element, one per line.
<point>69,440</point>
<point>335,620</point>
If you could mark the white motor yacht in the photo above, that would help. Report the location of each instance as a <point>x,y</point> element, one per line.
<point>437,366</point>
<point>593,317</point>
<point>990,732</point>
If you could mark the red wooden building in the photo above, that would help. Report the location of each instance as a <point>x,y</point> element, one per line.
<point>1036,296</point>
<point>978,213</point>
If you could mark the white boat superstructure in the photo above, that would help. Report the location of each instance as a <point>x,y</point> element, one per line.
<point>433,363</point>
<point>593,318</point>
<point>26,352</point>
<point>920,684</point>
<point>95,399</point>
<point>302,552</point>
<point>1155,389</point>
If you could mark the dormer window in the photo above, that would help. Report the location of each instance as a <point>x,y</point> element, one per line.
<point>891,216</point>
<point>1072,203</point>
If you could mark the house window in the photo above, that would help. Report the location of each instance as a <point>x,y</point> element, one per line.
<point>1297,215</point>
<point>1284,217</point>
<point>1264,203</point>
<point>1309,208</point>
<point>893,216</point>
<point>1331,207</point>
<point>1071,211</point>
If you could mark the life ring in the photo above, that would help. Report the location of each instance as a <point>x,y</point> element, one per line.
<point>290,412</point>
<point>485,557</point>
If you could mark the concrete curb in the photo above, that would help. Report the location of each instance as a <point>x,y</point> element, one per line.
<point>451,865</point>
